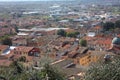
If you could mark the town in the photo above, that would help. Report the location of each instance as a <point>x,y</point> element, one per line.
<point>68,35</point>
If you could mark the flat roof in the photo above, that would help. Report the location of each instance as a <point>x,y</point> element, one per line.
<point>47,29</point>
<point>8,51</point>
<point>22,34</point>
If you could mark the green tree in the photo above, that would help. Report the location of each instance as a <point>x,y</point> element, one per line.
<point>50,73</point>
<point>108,26</point>
<point>72,34</point>
<point>16,71</point>
<point>77,33</point>
<point>18,68</point>
<point>83,42</point>
<point>103,18</point>
<point>16,29</point>
<point>22,59</point>
<point>7,41</point>
<point>47,71</point>
<point>5,26</point>
<point>104,71</point>
<point>61,32</point>
<point>117,24</point>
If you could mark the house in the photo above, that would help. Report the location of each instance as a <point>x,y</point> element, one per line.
<point>91,57</point>
<point>19,42</point>
<point>100,43</point>
<point>68,66</point>
<point>27,51</point>
<point>9,30</point>
<point>3,48</point>
<point>5,63</point>
<point>30,53</point>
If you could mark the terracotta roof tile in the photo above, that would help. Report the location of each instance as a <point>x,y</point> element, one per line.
<point>3,47</point>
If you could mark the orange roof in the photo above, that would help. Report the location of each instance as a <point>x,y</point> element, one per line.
<point>97,27</point>
<point>5,62</point>
<point>3,47</point>
<point>23,48</point>
<point>67,46</point>
<point>104,42</point>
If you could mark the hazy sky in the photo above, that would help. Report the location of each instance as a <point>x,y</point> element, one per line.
<point>32,0</point>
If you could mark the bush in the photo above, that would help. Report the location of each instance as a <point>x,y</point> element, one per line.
<point>83,43</point>
<point>61,32</point>
<point>104,71</point>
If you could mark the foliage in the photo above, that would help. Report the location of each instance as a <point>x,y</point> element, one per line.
<point>16,71</point>
<point>108,26</point>
<point>5,26</point>
<point>7,41</point>
<point>83,42</point>
<point>16,29</point>
<point>72,34</point>
<point>50,73</point>
<point>18,68</point>
<point>22,59</point>
<point>61,32</point>
<point>117,24</point>
<point>104,71</point>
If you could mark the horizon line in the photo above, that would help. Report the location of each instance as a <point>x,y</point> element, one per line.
<point>36,0</point>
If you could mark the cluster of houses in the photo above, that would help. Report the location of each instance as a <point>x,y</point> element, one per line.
<point>8,54</point>
<point>7,31</point>
<point>38,38</point>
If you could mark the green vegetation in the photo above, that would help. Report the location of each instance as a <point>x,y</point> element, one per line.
<point>22,59</point>
<point>67,34</point>
<point>61,32</point>
<point>110,25</point>
<point>117,24</point>
<point>16,71</point>
<point>72,34</point>
<point>50,73</point>
<point>16,29</point>
<point>104,71</point>
<point>6,41</point>
<point>83,43</point>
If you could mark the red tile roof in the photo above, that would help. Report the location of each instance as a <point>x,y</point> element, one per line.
<point>3,47</point>
<point>5,62</point>
<point>23,48</point>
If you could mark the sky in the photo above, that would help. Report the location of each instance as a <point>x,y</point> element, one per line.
<point>29,0</point>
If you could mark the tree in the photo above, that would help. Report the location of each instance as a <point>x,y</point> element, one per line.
<point>61,32</point>
<point>50,73</point>
<point>77,33</point>
<point>108,26</point>
<point>16,29</point>
<point>83,42</point>
<point>103,71</point>
<point>7,41</point>
<point>18,68</point>
<point>117,24</point>
<point>22,59</point>
<point>72,34</point>
<point>16,71</point>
